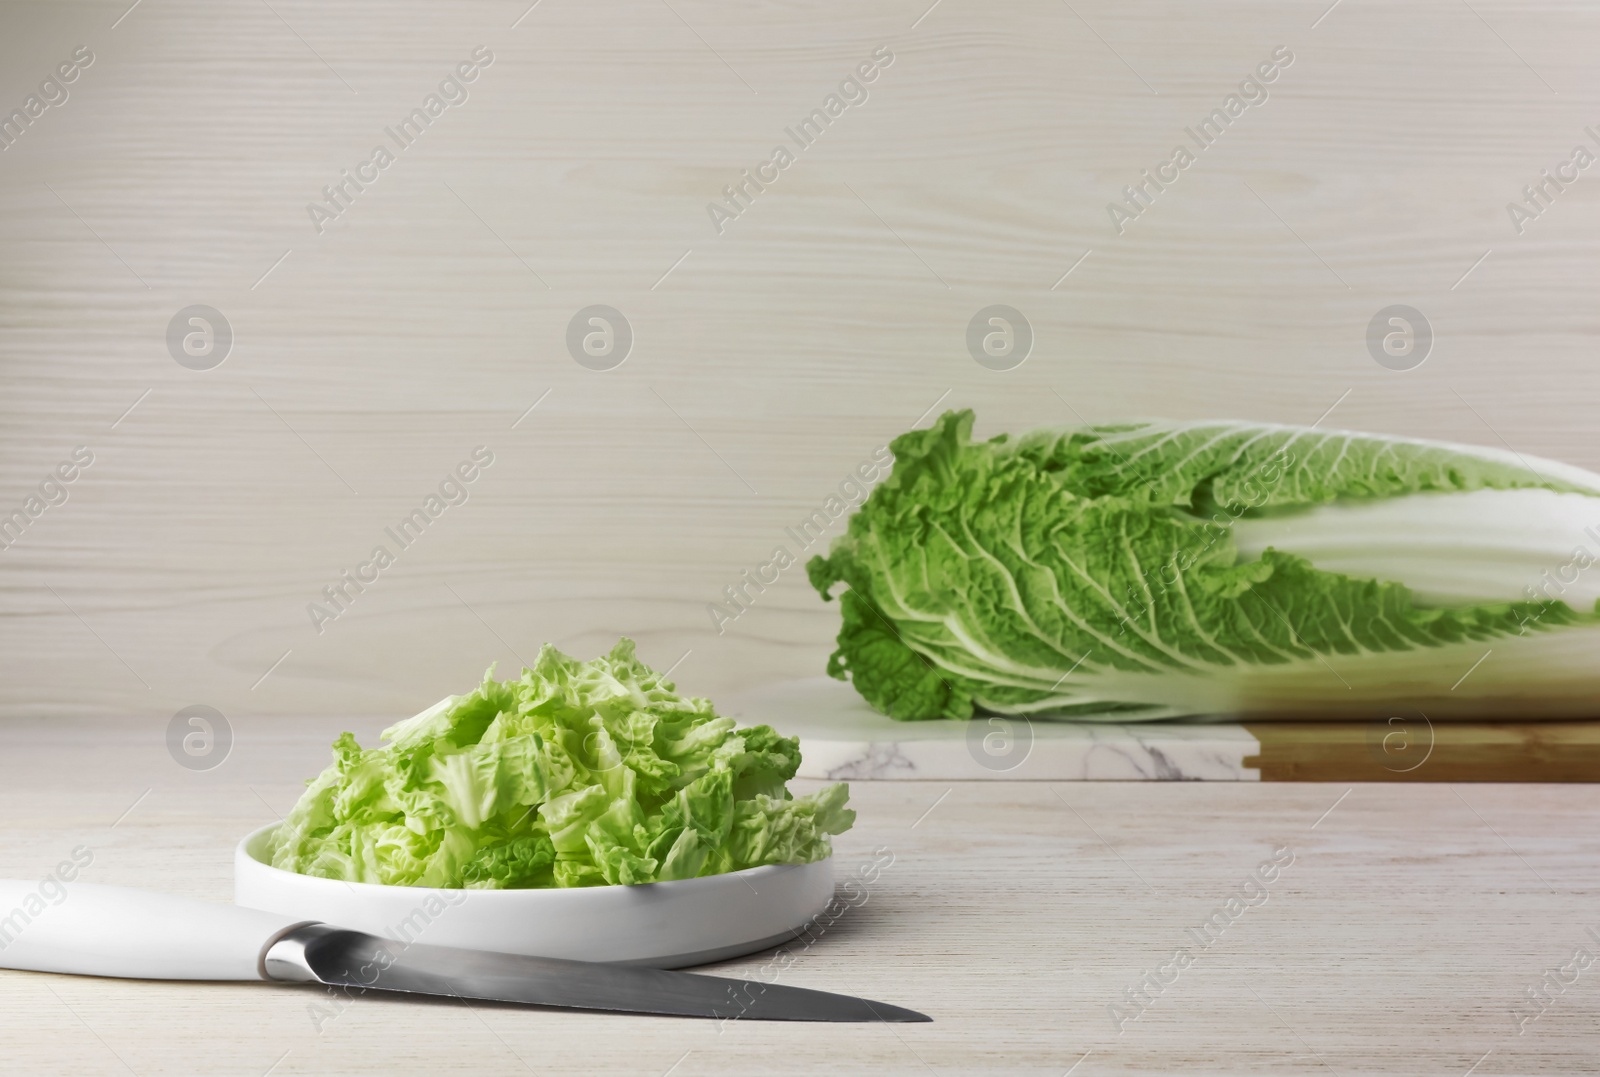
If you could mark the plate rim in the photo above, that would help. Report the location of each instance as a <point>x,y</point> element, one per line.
<point>243,852</point>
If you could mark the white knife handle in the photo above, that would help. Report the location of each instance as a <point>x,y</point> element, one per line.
<point>119,931</point>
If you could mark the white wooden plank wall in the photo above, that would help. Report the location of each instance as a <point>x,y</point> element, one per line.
<point>768,360</point>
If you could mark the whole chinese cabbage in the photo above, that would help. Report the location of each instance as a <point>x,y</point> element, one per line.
<point>575,774</point>
<point>1152,570</point>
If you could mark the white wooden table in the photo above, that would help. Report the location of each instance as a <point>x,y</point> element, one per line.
<point>1400,940</point>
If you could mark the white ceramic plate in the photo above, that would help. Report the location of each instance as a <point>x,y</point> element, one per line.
<point>661,925</point>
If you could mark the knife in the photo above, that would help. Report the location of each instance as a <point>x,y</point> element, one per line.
<point>139,934</point>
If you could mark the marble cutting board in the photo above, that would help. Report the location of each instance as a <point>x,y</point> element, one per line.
<point>843,738</point>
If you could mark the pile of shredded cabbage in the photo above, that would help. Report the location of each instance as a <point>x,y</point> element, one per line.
<point>575,774</point>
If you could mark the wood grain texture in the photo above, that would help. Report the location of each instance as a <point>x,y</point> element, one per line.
<point>768,361</point>
<point>1400,939</point>
<point>1417,751</point>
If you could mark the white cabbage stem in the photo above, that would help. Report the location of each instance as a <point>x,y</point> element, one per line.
<point>1450,549</point>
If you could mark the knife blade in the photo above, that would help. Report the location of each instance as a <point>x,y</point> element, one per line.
<point>92,930</point>
<point>341,958</point>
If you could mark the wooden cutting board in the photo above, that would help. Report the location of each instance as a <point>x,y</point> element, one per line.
<point>843,738</point>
